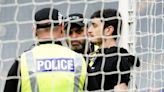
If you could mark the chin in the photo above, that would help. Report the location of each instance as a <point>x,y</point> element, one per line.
<point>77,47</point>
<point>93,41</point>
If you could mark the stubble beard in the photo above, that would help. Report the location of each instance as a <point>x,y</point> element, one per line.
<point>80,48</point>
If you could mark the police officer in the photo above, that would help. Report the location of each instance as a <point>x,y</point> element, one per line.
<point>76,29</point>
<point>48,66</point>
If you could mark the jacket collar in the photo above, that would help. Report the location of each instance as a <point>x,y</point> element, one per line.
<point>113,49</point>
<point>63,43</point>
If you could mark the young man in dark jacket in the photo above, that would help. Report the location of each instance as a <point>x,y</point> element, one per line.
<point>111,65</point>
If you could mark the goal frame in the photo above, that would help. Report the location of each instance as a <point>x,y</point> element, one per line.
<point>127,9</point>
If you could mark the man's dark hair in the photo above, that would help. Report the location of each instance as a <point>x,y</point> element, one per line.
<point>116,21</point>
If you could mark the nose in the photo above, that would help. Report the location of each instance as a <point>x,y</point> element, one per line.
<point>74,35</point>
<point>90,30</point>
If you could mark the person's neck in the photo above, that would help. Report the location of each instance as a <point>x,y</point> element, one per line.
<point>52,41</point>
<point>108,43</point>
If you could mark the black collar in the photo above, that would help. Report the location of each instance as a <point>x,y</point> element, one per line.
<point>63,43</point>
<point>49,42</point>
<point>113,49</point>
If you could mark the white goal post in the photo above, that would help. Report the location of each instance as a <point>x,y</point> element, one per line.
<point>142,34</point>
<point>127,8</point>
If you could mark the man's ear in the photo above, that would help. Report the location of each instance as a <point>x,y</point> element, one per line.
<point>34,29</point>
<point>62,27</point>
<point>108,30</point>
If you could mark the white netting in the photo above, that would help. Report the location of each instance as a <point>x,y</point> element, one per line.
<point>16,36</point>
<point>150,45</point>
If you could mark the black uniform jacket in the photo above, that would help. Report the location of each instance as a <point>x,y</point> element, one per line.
<point>111,66</point>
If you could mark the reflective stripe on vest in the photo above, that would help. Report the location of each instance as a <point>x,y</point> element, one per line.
<point>32,73</point>
<point>77,74</point>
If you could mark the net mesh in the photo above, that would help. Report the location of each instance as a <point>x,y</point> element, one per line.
<point>16,20</point>
<point>150,22</point>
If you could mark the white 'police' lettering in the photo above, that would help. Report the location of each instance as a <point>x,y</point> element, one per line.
<point>55,64</point>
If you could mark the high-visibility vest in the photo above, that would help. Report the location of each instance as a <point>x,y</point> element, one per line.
<point>52,68</point>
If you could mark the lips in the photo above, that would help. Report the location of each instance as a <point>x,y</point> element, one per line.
<point>90,35</point>
<point>75,42</point>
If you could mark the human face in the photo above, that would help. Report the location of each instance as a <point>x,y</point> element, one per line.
<point>95,31</point>
<point>77,40</point>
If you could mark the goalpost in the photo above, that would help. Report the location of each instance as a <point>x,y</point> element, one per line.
<point>127,8</point>
<point>142,35</point>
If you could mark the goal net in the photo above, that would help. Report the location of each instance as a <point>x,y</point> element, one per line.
<point>150,46</point>
<point>142,35</point>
